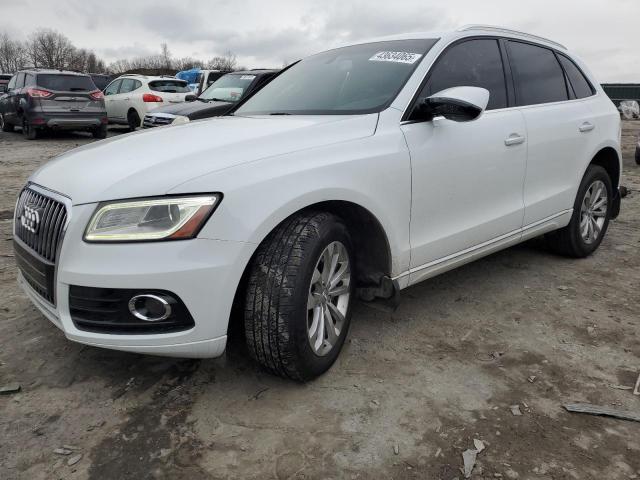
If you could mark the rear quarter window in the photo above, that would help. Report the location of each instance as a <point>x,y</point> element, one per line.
<point>66,83</point>
<point>169,86</point>
<point>537,74</point>
<point>581,86</point>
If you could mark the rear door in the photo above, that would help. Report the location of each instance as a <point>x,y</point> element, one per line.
<point>557,129</point>
<point>111,99</point>
<point>69,94</point>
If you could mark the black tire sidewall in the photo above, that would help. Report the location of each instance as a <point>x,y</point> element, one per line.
<point>133,119</point>
<point>310,364</point>
<point>594,173</point>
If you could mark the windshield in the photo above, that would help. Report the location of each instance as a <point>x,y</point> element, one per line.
<point>169,86</point>
<point>229,88</point>
<point>66,83</point>
<point>350,80</point>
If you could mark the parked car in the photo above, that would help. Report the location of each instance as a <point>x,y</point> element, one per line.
<point>4,81</point>
<point>37,100</point>
<point>638,151</point>
<point>101,80</point>
<point>218,99</point>
<point>129,97</point>
<point>361,170</point>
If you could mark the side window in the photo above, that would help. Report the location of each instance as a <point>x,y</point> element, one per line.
<point>581,86</point>
<point>137,84</point>
<point>30,80</point>
<point>20,80</point>
<point>537,74</point>
<point>474,63</point>
<point>12,83</point>
<point>113,87</point>
<point>128,85</point>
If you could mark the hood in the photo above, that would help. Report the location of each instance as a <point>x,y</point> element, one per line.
<point>195,109</point>
<point>152,162</point>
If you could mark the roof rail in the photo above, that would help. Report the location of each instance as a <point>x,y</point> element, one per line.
<point>492,28</point>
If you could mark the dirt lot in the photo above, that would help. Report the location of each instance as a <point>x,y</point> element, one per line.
<point>410,392</point>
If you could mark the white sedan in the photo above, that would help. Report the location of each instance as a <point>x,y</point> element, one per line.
<point>129,97</point>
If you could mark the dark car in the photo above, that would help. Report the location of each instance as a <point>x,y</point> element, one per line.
<point>37,100</point>
<point>221,96</point>
<point>4,81</point>
<point>101,80</point>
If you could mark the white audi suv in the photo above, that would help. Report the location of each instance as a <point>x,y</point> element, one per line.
<point>356,172</point>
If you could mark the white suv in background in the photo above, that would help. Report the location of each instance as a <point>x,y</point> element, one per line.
<point>358,171</point>
<point>129,97</point>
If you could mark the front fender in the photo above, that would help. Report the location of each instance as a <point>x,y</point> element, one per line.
<point>372,172</point>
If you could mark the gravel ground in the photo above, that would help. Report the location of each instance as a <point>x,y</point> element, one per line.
<point>410,392</point>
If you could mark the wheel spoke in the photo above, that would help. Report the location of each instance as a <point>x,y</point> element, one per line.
<point>600,203</point>
<point>337,291</point>
<point>595,228</point>
<point>584,227</point>
<point>316,277</point>
<point>339,275</point>
<point>600,213</point>
<point>313,329</point>
<point>319,338</point>
<point>330,327</point>
<point>336,313</point>
<point>313,300</point>
<point>327,257</point>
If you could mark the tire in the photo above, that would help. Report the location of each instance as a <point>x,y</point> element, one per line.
<point>29,132</point>
<point>133,119</point>
<point>280,309</point>
<point>100,132</point>
<point>571,240</point>
<point>6,127</point>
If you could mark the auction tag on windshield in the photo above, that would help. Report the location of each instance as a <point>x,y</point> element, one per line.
<point>398,57</point>
<point>247,77</point>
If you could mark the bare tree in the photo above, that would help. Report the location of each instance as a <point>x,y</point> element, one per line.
<point>228,61</point>
<point>187,63</point>
<point>50,49</point>
<point>12,54</point>
<point>166,55</point>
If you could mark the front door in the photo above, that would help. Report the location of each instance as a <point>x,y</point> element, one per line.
<point>466,177</point>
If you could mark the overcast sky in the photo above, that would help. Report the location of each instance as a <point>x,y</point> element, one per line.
<point>267,33</point>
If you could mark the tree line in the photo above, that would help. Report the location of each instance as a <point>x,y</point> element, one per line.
<point>46,48</point>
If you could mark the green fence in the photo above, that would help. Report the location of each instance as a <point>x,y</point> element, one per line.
<point>622,91</point>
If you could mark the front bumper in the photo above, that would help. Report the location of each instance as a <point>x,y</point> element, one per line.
<point>203,273</point>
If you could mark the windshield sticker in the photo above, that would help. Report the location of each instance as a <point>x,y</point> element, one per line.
<point>247,77</point>
<point>398,57</point>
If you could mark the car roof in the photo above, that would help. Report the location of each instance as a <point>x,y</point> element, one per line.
<point>51,71</point>
<point>467,31</point>
<point>149,78</point>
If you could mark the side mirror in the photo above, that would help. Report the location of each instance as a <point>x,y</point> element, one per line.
<point>190,98</point>
<point>460,104</point>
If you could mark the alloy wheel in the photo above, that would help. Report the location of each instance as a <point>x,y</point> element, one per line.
<point>593,212</point>
<point>328,301</point>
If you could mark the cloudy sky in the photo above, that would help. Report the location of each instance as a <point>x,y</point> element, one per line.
<point>265,33</point>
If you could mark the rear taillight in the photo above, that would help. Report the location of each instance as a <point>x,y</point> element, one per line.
<point>97,95</point>
<point>150,97</point>
<point>38,93</point>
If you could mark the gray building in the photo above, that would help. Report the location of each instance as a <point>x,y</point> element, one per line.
<point>622,91</point>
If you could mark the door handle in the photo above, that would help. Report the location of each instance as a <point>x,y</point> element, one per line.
<point>586,127</point>
<point>514,139</point>
<point>127,98</point>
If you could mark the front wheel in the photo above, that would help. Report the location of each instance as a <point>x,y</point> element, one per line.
<point>590,218</point>
<point>299,295</point>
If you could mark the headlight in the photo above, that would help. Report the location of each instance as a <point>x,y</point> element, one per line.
<point>168,218</point>
<point>180,120</point>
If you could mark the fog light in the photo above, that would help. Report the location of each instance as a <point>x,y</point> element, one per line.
<point>150,308</point>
